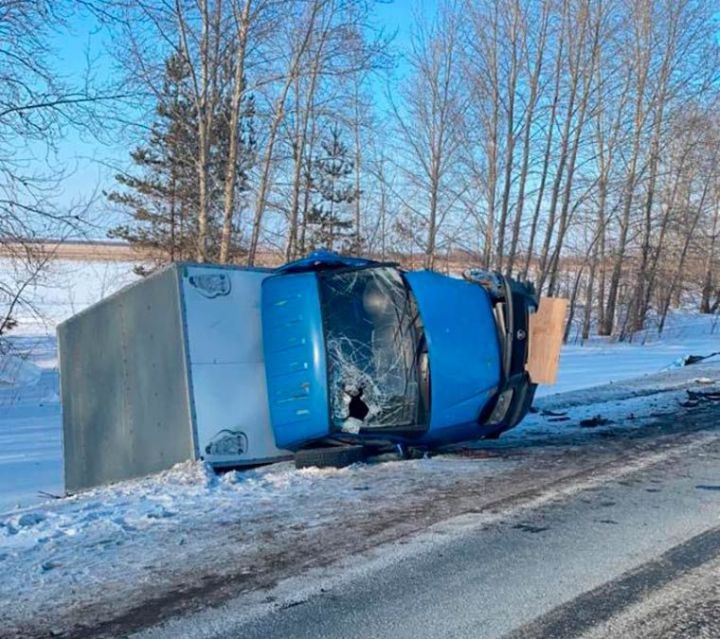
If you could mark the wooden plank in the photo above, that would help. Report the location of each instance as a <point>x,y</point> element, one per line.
<point>546,336</point>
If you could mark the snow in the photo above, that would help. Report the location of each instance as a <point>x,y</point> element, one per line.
<point>602,360</point>
<point>120,539</point>
<point>30,417</point>
<point>132,536</point>
<point>66,288</point>
<point>30,424</point>
<point>56,553</point>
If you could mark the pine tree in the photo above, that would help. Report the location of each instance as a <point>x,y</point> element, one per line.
<point>162,200</point>
<point>331,180</point>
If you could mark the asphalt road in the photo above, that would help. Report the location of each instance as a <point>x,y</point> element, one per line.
<point>630,555</point>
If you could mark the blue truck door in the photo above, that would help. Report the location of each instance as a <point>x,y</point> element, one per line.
<point>463,347</point>
<point>295,364</point>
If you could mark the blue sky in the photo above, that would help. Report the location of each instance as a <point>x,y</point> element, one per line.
<point>86,158</point>
<point>75,47</point>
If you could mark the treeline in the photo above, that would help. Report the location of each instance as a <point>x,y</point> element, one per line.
<point>571,142</point>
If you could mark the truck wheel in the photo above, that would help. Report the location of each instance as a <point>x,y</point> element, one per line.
<point>329,457</point>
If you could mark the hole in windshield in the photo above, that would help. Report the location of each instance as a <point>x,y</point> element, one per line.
<point>375,350</point>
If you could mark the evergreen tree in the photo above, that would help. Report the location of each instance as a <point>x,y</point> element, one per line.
<point>329,223</point>
<point>162,200</point>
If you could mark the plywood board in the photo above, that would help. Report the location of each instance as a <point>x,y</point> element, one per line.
<point>546,335</point>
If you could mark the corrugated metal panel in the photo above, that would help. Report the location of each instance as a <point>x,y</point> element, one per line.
<point>124,385</point>
<point>295,358</point>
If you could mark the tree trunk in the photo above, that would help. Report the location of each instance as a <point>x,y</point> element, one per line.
<point>527,132</point>
<point>707,290</point>
<point>278,115</point>
<point>243,21</point>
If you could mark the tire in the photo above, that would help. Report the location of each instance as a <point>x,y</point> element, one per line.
<point>329,457</point>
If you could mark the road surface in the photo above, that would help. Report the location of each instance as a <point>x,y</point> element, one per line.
<point>627,546</point>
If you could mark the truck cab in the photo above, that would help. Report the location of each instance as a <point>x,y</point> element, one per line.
<point>359,350</point>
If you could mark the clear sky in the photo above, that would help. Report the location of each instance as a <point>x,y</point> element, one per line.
<point>78,46</point>
<point>83,44</point>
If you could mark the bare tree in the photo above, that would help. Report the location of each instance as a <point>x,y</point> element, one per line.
<point>533,80</point>
<point>431,125</point>
<point>244,13</point>
<point>36,110</point>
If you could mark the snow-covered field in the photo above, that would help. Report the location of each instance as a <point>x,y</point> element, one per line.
<point>30,418</point>
<point>66,288</point>
<point>600,360</point>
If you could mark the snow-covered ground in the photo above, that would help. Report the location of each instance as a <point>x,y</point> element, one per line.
<point>124,537</point>
<point>601,360</point>
<point>133,537</point>
<point>30,423</point>
<point>30,418</point>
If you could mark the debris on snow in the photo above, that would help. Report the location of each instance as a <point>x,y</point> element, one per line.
<point>551,413</point>
<point>598,420</point>
<point>689,360</point>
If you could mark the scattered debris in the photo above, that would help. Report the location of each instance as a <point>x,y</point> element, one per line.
<point>691,403</point>
<point>704,396</point>
<point>530,528</point>
<point>551,413</point>
<point>594,422</point>
<point>689,360</point>
<point>696,398</point>
<point>44,493</point>
<point>485,453</point>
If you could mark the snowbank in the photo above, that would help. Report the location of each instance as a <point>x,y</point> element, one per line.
<point>603,360</point>
<point>135,537</point>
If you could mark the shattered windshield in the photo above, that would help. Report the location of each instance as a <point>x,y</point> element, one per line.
<point>373,342</point>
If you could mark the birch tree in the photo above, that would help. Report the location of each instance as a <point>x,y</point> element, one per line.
<point>430,127</point>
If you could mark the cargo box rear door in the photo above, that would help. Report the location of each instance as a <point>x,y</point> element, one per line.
<point>295,362</point>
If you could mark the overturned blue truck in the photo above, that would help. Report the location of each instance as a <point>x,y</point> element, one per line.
<point>357,350</point>
<point>322,357</point>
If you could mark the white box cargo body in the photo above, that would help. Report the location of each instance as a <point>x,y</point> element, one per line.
<point>168,369</point>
